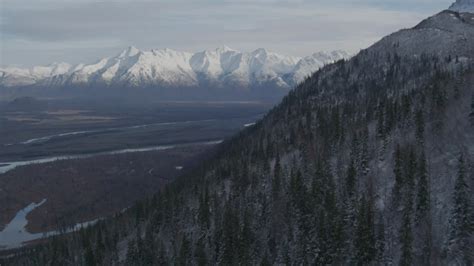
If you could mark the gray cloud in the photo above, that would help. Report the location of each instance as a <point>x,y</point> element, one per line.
<point>39,31</point>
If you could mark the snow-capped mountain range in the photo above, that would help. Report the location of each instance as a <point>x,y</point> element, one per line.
<point>463,6</point>
<point>169,68</point>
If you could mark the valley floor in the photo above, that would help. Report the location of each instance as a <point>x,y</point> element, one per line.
<point>87,162</point>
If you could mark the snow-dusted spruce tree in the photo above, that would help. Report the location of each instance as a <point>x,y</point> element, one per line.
<point>460,246</point>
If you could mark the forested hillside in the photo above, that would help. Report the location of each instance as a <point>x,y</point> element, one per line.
<point>369,161</point>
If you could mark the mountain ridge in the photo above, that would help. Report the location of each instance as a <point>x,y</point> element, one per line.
<point>166,67</point>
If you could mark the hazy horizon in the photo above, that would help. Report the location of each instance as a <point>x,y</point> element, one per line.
<point>42,32</point>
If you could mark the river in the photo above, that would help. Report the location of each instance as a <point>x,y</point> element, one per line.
<point>15,234</point>
<point>8,166</point>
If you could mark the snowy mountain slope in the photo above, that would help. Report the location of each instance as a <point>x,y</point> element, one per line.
<point>221,67</point>
<point>448,31</point>
<point>307,65</point>
<point>14,76</point>
<point>463,6</point>
<point>167,67</point>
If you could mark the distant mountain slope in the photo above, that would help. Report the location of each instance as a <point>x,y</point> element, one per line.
<point>463,6</point>
<point>366,162</point>
<point>14,76</point>
<point>222,67</point>
<point>447,33</point>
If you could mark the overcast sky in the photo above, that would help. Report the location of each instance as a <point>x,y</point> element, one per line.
<point>44,31</point>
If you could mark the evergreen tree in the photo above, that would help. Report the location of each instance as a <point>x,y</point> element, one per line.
<point>397,171</point>
<point>380,242</point>
<point>420,127</point>
<point>410,175</point>
<point>348,210</point>
<point>230,235</point>
<point>184,252</point>
<point>423,212</point>
<point>471,113</point>
<point>381,127</point>
<point>406,240</point>
<point>89,257</point>
<point>461,223</point>
<point>204,209</point>
<point>265,261</point>
<point>364,242</point>
<point>200,256</point>
<point>355,150</point>
<point>148,248</point>
<point>132,253</point>
<point>140,248</point>
<point>276,183</point>
<point>298,190</point>
<point>351,179</point>
<point>423,193</point>
<point>245,240</point>
<point>162,259</point>
<point>333,229</point>
<point>364,157</point>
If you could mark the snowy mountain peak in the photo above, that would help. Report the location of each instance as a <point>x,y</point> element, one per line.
<point>129,52</point>
<point>463,6</point>
<point>167,52</point>
<point>224,49</point>
<point>260,51</point>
